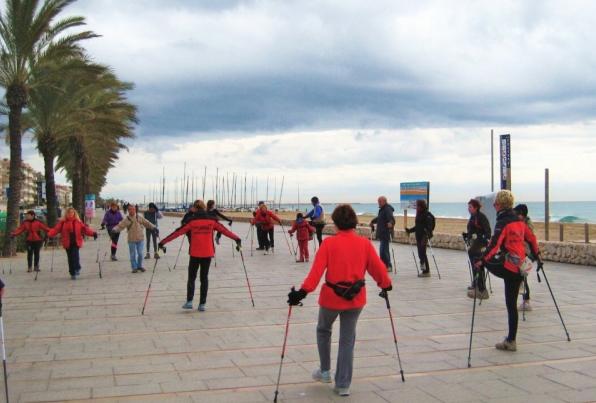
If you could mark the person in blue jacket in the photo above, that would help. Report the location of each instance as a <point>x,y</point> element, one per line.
<point>317,218</point>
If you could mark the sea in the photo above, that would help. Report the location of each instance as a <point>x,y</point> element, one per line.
<point>567,212</point>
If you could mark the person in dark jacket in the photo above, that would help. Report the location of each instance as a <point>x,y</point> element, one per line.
<point>385,223</point>
<point>423,230</point>
<point>477,237</point>
<point>504,256</point>
<point>216,214</point>
<point>152,215</point>
<point>111,218</point>
<point>317,218</point>
<point>32,226</point>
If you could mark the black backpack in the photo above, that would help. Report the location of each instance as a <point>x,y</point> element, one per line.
<point>431,222</point>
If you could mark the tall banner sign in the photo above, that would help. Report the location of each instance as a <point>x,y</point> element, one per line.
<point>90,206</point>
<point>505,147</point>
<point>409,192</point>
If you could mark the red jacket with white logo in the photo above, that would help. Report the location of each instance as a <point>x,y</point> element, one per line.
<point>346,256</point>
<point>32,227</point>
<point>510,237</point>
<point>265,219</point>
<point>201,235</point>
<point>304,230</point>
<point>66,227</point>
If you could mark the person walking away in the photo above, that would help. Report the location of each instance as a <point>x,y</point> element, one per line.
<point>304,234</point>
<point>423,229</point>
<point>522,213</point>
<point>135,224</point>
<point>385,223</point>
<point>266,220</point>
<point>215,213</point>
<point>344,260</point>
<point>202,227</point>
<point>72,229</point>
<point>152,215</point>
<point>111,218</point>
<point>317,218</point>
<point>32,226</point>
<point>504,256</point>
<point>477,237</point>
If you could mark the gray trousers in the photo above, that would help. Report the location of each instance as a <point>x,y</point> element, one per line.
<point>347,338</point>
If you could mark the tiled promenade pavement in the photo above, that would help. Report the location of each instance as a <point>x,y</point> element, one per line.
<point>86,339</point>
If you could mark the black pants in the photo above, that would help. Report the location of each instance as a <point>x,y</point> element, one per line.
<point>263,237</point>
<point>74,266</point>
<point>33,248</point>
<point>150,234</point>
<point>421,244</point>
<point>475,253</point>
<point>269,234</point>
<point>193,266</point>
<point>114,236</point>
<point>260,237</point>
<point>319,231</point>
<point>512,283</point>
<point>526,295</point>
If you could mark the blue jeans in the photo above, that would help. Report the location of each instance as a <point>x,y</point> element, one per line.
<point>384,252</point>
<point>136,254</point>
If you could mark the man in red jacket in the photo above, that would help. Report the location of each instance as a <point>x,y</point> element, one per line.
<point>201,228</point>
<point>344,259</point>
<point>265,220</point>
<point>32,226</point>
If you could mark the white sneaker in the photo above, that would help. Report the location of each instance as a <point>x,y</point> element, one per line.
<point>342,391</point>
<point>321,376</point>
<point>525,306</point>
<point>266,252</point>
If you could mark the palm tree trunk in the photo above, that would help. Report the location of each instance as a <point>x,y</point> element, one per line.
<point>48,163</point>
<point>77,189</point>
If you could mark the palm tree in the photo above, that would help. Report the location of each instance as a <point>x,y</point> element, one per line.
<point>29,38</point>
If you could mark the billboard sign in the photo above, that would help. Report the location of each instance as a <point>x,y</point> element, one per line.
<point>89,205</point>
<point>409,192</point>
<point>505,147</point>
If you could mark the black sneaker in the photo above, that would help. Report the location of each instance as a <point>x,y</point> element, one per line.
<point>142,269</point>
<point>424,274</point>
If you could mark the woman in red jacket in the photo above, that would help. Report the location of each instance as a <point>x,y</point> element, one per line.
<point>201,228</point>
<point>345,258</point>
<point>72,229</point>
<point>34,241</point>
<point>305,231</point>
<point>265,219</point>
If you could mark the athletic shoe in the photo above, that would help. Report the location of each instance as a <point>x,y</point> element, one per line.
<point>299,261</point>
<point>260,248</point>
<point>321,376</point>
<point>156,255</point>
<point>36,268</point>
<point>525,306</point>
<point>266,252</point>
<point>148,256</point>
<point>113,257</point>
<point>135,270</point>
<point>342,391</point>
<point>187,305</point>
<point>306,260</point>
<point>29,269</point>
<point>73,277</point>
<point>506,345</point>
<point>424,274</point>
<point>142,269</point>
<point>479,294</point>
<point>389,269</point>
<point>201,307</point>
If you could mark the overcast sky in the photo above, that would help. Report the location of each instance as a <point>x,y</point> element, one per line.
<point>349,98</point>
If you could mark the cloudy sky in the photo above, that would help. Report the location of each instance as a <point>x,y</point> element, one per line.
<point>349,98</point>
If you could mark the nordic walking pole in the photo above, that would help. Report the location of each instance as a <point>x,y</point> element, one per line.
<point>386,297</point>
<point>150,282</point>
<point>52,264</point>
<point>413,255</point>
<point>179,249</point>
<point>290,249</point>
<point>3,352</point>
<point>467,248</point>
<point>430,246</point>
<point>252,238</point>
<point>246,274</point>
<point>100,262</point>
<point>490,284</point>
<point>283,351</point>
<point>472,326</point>
<point>393,253</point>
<point>541,267</point>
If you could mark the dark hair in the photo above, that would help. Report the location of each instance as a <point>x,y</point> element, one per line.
<point>152,205</point>
<point>210,203</point>
<point>474,203</point>
<point>31,212</point>
<point>344,217</point>
<point>314,199</point>
<point>422,204</point>
<point>521,209</point>
<point>299,215</point>
<point>261,202</point>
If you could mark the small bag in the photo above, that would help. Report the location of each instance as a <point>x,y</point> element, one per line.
<point>346,289</point>
<point>526,266</point>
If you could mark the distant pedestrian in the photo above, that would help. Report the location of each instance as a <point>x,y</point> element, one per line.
<point>216,214</point>
<point>72,229</point>
<point>260,237</point>
<point>266,220</point>
<point>477,236</point>
<point>423,230</point>
<point>135,224</point>
<point>385,223</point>
<point>304,234</point>
<point>34,241</point>
<point>317,218</point>
<point>152,215</point>
<point>111,218</point>
<point>522,213</point>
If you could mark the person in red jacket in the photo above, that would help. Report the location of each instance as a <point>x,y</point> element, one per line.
<point>265,220</point>
<point>201,228</point>
<point>504,256</point>
<point>32,226</point>
<point>344,259</point>
<point>305,231</point>
<point>72,229</point>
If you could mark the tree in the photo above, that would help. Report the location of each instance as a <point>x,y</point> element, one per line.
<point>29,39</point>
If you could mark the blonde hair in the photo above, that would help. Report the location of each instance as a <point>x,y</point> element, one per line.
<point>76,214</point>
<point>199,204</point>
<point>504,199</point>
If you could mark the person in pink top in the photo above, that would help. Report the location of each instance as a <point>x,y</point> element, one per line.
<point>344,259</point>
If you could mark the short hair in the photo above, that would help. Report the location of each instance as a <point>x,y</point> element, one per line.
<point>422,204</point>
<point>314,199</point>
<point>504,199</point>
<point>344,217</point>
<point>521,209</point>
<point>115,204</point>
<point>199,205</point>
<point>210,203</point>
<point>31,212</point>
<point>299,215</point>
<point>475,203</point>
